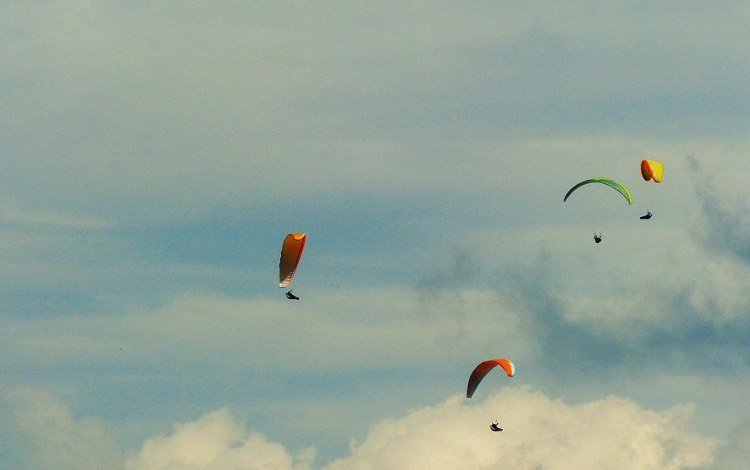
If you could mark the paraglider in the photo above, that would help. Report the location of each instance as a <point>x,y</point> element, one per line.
<point>483,369</point>
<point>495,427</point>
<point>291,296</point>
<point>607,181</point>
<point>651,170</point>
<point>291,252</point>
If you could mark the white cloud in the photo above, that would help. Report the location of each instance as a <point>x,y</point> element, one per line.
<point>330,331</point>
<point>540,432</point>
<point>40,433</point>
<point>216,441</point>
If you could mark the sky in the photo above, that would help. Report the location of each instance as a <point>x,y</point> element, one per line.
<point>155,154</point>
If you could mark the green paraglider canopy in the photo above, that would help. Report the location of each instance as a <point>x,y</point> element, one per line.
<point>609,182</point>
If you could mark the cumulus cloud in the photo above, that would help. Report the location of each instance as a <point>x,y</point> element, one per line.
<point>540,432</point>
<point>217,441</point>
<point>37,432</point>
<point>691,307</point>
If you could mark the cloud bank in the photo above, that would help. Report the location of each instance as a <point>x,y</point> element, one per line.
<point>540,432</point>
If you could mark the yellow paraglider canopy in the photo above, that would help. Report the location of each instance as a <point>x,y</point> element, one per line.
<point>652,170</point>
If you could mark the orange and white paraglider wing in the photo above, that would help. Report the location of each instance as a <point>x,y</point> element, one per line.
<point>652,170</point>
<point>483,369</point>
<point>291,252</point>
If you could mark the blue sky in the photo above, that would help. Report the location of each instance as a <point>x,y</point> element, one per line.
<point>154,156</point>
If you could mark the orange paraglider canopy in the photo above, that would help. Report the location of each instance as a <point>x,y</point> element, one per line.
<point>483,369</point>
<point>291,252</point>
<point>652,170</point>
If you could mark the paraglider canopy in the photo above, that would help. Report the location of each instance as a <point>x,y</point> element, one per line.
<point>291,252</point>
<point>483,369</point>
<point>652,170</point>
<point>606,181</point>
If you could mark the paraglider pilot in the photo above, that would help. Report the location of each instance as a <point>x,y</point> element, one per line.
<point>495,427</point>
<point>647,216</point>
<point>598,238</point>
<point>291,296</point>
